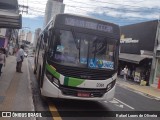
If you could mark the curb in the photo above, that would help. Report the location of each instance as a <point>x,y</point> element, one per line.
<point>30,93</point>
<point>139,92</point>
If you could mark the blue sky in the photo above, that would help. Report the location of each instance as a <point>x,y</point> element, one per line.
<point>122,12</point>
<point>32,23</point>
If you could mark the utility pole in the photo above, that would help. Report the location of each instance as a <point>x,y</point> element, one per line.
<point>23,8</point>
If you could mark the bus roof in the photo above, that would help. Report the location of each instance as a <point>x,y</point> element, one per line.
<point>85,22</point>
<point>83,16</point>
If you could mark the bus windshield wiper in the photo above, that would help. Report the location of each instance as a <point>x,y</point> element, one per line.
<point>99,47</point>
<point>77,43</point>
<point>74,37</point>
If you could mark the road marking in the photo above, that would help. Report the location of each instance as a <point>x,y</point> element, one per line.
<point>124,103</point>
<point>121,106</point>
<point>119,103</point>
<point>54,111</point>
<point>113,101</point>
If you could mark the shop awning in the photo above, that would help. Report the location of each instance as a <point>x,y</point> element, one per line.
<point>132,58</point>
<point>9,19</point>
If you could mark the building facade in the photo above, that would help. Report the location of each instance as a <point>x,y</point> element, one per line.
<point>22,35</point>
<point>36,35</point>
<point>3,39</point>
<point>156,79</point>
<point>9,14</point>
<point>29,36</point>
<point>8,39</point>
<point>53,7</point>
<point>137,50</point>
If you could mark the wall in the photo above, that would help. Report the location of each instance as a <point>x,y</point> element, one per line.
<point>144,32</point>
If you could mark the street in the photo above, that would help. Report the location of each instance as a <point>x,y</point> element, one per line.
<point>125,100</point>
<point>76,60</point>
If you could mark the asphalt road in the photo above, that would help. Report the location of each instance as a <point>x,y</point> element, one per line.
<point>125,100</point>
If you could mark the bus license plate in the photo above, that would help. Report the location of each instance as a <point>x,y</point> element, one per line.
<point>83,94</point>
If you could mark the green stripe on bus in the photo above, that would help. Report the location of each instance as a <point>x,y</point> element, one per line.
<point>52,71</point>
<point>66,79</point>
<point>74,82</point>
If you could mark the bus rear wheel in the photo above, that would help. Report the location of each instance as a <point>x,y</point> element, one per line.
<point>39,86</point>
<point>35,71</point>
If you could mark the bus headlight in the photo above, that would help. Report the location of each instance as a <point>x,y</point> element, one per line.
<point>110,85</point>
<point>56,81</point>
<point>52,79</point>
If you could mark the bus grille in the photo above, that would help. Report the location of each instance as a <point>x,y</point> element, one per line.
<point>83,73</point>
<point>71,91</point>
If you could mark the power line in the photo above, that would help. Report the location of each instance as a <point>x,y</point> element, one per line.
<point>24,8</point>
<point>114,4</point>
<point>147,10</point>
<point>89,11</point>
<point>36,10</point>
<point>117,4</point>
<point>80,8</point>
<point>77,7</point>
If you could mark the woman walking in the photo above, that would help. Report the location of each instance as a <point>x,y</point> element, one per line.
<point>125,70</point>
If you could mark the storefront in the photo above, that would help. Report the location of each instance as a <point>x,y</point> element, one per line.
<point>2,41</point>
<point>157,72</point>
<point>138,67</point>
<point>137,50</point>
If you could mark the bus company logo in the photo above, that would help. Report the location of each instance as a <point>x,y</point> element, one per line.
<point>6,114</point>
<point>100,63</point>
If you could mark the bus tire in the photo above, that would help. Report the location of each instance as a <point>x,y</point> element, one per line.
<point>39,77</point>
<point>41,82</point>
<point>35,67</point>
<point>35,71</point>
<point>43,98</point>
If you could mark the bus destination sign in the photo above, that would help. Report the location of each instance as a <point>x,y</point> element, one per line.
<point>88,24</point>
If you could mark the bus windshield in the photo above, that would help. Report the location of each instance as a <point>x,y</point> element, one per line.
<point>82,50</point>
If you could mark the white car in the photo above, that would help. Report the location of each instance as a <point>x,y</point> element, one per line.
<point>25,54</point>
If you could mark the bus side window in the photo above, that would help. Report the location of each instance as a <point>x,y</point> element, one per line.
<point>41,42</point>
<point>51,40</point>
<point>38,43</point>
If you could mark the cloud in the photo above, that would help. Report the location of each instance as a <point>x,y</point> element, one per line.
<point>36,7</point>
<point>131,9</point>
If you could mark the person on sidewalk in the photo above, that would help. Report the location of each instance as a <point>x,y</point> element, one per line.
<point>20,57</point>
<point>2,59</point>
<point>125,70</point>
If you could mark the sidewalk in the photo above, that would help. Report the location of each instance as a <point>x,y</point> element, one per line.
<point>15,90</point>
<point>147,90</point>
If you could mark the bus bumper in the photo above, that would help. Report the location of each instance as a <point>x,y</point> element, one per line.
<point>50,90</point>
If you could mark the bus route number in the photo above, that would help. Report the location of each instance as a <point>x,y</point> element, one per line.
<point>100,85</point>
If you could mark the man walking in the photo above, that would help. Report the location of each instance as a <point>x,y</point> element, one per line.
<point>20,57</point>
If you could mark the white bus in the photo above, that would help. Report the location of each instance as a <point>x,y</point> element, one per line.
<point>77,58</point>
